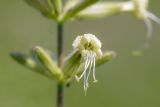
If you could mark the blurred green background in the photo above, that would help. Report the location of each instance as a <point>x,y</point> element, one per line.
<point>127,81</point>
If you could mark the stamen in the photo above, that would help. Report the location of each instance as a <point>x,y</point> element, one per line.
<point>94,64</point>
<point>91,63</point>
<point>144,46</point>
<point>153,17</point>
<point>85,87</point>
<point>86,66</point>
<point>149,16</point>
<point>148,23</point>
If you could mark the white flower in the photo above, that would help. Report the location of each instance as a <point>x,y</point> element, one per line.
<point>90,48</point>
<point>141,10</point>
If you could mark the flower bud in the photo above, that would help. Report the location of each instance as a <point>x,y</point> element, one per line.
<point>45,59</point>
<point>31,63</point>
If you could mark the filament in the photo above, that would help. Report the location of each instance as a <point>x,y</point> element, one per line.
<point>91,63</point>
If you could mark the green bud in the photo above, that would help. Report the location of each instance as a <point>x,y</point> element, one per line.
<point>30,63</point>
<point>107,56</point>
<point>46,60</point>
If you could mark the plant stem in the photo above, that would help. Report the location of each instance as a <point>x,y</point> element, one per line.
<point>60,63</point>
<point>59,95</point>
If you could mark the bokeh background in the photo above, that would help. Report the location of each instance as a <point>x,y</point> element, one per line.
<point>127,81</point>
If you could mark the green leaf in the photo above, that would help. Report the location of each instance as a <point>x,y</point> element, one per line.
<point>76,8</point>
<point>70,4</point>
<point>44,6</point>
<point>30,63</point>
<point>46,60</point>
<point>57,4</point>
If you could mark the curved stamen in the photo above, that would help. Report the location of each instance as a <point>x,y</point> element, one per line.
<point>94,64</point>
<point>149,28</point>
<point>91,63</point>
<point>85,87</point>
<point>148,24</point>
<point>153,17</point>
<point>149,16</point>
<point>86,66</point>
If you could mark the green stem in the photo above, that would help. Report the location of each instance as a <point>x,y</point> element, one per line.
<point>59,95</point>
<point>60,63</point>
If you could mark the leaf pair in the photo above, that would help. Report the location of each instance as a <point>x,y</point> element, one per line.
<point>54,9</point>
<point>41,62</point>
